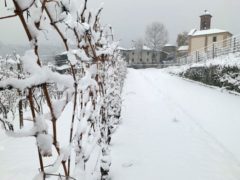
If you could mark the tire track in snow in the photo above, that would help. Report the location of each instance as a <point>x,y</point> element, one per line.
<point>197,130</point>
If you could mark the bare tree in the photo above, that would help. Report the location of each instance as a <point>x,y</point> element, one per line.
<point>138,44</point>
<point>182,39</point>
<point>156,36</point>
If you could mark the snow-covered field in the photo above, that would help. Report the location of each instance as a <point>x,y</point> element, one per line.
<point>174,129</point>
<point>171,129</point>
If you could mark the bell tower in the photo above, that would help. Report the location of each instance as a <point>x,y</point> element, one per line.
<point>205,22</point>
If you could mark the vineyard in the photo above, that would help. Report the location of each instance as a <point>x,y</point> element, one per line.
<point>87,96</point>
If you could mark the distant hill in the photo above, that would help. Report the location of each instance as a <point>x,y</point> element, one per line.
<point>44,50</point>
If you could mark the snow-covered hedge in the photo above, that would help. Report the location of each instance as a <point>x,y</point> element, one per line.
<point>222,72</point>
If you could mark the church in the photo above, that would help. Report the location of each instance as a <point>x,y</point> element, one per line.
<point>206,36</point>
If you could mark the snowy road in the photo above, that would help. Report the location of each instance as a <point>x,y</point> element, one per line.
<point>173,129</point>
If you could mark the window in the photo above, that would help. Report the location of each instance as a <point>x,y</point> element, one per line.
<point>214,39</point>
<point>148,53</point>
<point>132,53</point>
<point>141,60</point>
<point>153,56</point>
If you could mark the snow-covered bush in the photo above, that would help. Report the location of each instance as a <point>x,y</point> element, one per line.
<point>223,72</point>
<point>10,99</point>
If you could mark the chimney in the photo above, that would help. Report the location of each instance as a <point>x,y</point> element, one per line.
<point>205,21</point>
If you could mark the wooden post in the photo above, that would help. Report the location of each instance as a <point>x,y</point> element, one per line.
<point>213,51</point>
<point>20,104</point>
<point>197,56</point>
<point>234,45</point>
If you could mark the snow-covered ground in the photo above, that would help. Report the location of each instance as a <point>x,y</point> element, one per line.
<point>174,129</point>
<point>19,156</point>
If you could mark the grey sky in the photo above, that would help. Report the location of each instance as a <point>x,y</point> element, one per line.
<point>130,17</point>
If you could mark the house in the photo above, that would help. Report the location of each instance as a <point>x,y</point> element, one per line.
<point>141,56</point>
<point>146,57</point>
<point>201,39</point>
<point>125,53</point>
<point>169,51</point>
<point>182,51</point>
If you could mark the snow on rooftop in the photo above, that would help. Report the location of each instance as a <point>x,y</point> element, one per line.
<point>63,67</point>
<point>132,48</point>
<point>192,32</point>
<point>206,12</point>
<point>195,32</point>
<point>183,48</point>
<point>122,48</point>
<point>146,48</point>
<point>168,45</point>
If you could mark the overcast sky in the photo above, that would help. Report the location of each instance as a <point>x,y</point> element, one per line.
<point>129,18</point>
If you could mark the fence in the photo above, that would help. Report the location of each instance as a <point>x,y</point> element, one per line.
<point>225,47</point>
